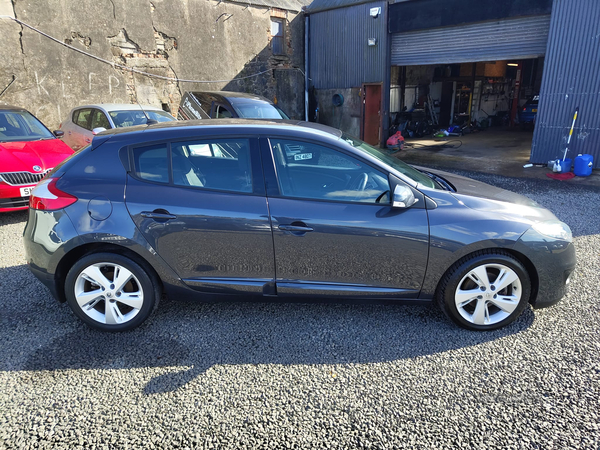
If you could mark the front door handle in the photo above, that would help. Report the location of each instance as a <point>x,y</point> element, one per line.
<point>88,140</point>
<point>296,228</point>
<point>159,216</point>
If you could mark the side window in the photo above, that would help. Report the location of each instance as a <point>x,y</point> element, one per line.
<point>152,163</point>
<point>222,164</point>
<point>83,118</point>
<point>223,113</point>
<point>99,120</point>
<point>311,171</point>
<point>277,36</point>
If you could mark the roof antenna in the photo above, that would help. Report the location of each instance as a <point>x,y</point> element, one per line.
<point>149,121</point>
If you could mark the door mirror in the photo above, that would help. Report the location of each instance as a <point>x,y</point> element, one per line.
<point>403,197</point>
<point>95,131</point>
<point>58,133</point>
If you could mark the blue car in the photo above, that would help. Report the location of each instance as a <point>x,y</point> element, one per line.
<point>528,113</point>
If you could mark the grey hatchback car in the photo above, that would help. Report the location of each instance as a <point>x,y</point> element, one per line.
<point>282,209</point>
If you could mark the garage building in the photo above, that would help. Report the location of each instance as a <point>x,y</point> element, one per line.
<point>427,64</point>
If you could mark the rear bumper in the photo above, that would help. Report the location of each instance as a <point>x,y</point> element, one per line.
<point>46,238</point>
<point>554,261</point>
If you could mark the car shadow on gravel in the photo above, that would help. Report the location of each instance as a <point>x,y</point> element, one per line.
<point>194,337</point>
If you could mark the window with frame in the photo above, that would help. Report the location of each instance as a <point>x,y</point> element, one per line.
<point>277,36</point>
<point>222,164</point>
<point>99,120</point>
<point>151,163</point>
<point>312,171</point>
<point>223,113</point>
<point>83,118</point>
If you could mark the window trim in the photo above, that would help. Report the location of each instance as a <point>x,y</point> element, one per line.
<point>257,172</point>
<point>99,111</point>
<point>272,178</point>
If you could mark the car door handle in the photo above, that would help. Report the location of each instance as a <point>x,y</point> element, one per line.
<point>158,215</point>
<point>88,140</point>
<point>296,228</point>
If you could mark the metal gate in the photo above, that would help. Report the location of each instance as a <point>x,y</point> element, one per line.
<point>522,38</point>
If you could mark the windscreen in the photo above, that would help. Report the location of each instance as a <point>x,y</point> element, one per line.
<point>22,126</point>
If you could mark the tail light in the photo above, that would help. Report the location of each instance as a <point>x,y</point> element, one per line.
<point>524,109</point>
<point>47,197</point>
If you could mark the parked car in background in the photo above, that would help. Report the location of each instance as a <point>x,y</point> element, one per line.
<point>227,105</point>
<point>84,122</point>
<point>28,151</point>
<point>210,208</point>
<point>528,112</point>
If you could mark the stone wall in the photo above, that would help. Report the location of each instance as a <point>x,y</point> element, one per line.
<point>206,40</point>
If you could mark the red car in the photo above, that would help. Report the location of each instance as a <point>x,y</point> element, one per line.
<point>28,151</point>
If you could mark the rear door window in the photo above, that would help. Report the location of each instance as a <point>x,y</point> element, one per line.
<point>151,163</point>
<point>99,120</point>
<point>222,164</point>
<point>83,117</point>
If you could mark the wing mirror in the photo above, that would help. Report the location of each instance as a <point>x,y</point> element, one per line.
<point>403,197</point>
<point>95,131</point>
<point>58,133</point>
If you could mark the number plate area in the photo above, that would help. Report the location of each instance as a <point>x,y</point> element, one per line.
<point>26,191</point>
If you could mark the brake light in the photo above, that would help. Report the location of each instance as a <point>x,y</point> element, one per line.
<point>524,109</point>
<point>47,197</point>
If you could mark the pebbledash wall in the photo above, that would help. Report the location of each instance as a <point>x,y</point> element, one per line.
<point>186,39</point>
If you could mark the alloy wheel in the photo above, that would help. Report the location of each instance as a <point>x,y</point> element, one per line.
<point>108,293</point>
<point>488,294</point>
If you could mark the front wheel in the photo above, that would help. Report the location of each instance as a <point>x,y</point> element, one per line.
<point>485,291</point>
<point>110,292</point>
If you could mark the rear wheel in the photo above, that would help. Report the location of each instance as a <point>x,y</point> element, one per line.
<point>110,292</point>
<point>485,291</point>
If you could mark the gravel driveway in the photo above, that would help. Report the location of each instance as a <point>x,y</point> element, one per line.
<point>267,375</point>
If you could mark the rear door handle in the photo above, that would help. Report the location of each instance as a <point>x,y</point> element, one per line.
<point>296,228</point>
<point>158,215</point>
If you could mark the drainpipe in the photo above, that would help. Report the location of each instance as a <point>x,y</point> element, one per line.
<point>306,23</point>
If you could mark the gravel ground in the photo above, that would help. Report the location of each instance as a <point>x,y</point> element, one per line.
<point>260,375</point>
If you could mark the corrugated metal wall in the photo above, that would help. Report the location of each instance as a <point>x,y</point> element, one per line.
<point>571,78</point>
<point>521,38</point>
<point>339,57</point>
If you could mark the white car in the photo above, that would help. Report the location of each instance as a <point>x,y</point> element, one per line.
<point>86,121</point>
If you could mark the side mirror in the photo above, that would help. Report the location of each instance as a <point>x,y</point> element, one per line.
<point>95,131</point>
<point>58,133</point>
<point>403,197</point>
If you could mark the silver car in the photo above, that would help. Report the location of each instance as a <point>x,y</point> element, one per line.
<point>84,122</point>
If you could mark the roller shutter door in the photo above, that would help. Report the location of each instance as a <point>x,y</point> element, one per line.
<point>525,37</point>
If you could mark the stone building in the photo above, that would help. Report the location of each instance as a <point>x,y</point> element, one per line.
<point>222,43</point>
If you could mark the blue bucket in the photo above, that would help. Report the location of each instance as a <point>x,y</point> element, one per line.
<point>565,166</point>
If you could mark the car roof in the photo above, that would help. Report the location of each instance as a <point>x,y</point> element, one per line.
<point>11,108</point>
<point>233,97</point>
<point>108,107</point>
<point>222,125</point>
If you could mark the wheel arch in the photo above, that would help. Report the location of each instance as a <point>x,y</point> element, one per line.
<point>531,270</point>
<point>79,252</point>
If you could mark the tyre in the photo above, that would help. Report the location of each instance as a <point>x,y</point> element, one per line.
<point>110,292</point>
<point>485,291</point>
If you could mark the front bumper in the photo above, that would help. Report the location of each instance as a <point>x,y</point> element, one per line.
<point>11,199</point>
<point>554,261</point>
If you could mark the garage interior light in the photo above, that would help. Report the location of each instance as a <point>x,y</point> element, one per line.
<point>513,64</point>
